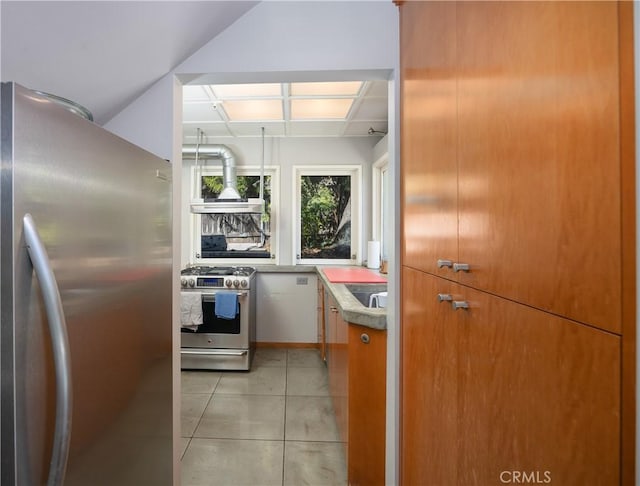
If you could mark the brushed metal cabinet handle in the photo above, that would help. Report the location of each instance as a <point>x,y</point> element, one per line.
<point>459,304</point>
<point>444,263</point>
<point>60,345</point>
<point>364,337</point>
<point>461,267</point>
<point>445,298</point>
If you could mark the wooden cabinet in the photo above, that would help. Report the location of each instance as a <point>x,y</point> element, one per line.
<point>322,338</point>
<point>539,155</point>
<point>429,389</point>
<point>338,367</point>
<point>504,387</point>
<point>511,150</point>
<point>429,135</point>
<point>517,159</point>
<point>367,405</point>
<point>341,396</point>
<point>357,385</point>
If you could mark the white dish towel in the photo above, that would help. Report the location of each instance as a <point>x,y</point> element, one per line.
<point>190,310</point>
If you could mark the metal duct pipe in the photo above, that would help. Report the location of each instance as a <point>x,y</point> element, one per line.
<point>222,152</point>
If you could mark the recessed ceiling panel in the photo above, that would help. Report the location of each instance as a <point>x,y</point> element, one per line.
<point>256,90</point>
<point>265,110</point>
<point>321,109</point>
<point>311,109</point>
<point>345,88</point>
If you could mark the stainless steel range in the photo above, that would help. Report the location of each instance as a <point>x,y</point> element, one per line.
<point>212,339</point>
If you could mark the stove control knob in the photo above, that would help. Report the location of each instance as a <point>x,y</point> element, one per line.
<point>183,282</point>
<point>236,283</point>
<point>192,282</point>
<point>243,283</point>
<point>228,283</point>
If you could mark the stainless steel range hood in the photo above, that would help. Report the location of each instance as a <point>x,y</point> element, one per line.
<point>251,205</point>
<point>229,200</point>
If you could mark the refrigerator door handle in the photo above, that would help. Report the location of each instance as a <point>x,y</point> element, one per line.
<point>60,345</point>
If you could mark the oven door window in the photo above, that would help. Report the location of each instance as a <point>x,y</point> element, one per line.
<point>215,325</point>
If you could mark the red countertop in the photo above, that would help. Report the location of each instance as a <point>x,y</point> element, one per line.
<point>352,275</point>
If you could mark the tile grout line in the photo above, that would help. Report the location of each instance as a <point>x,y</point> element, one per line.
<point>203,411</point>
<point>284,428</point>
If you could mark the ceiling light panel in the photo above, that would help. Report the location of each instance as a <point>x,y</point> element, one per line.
<point>321,109</point>
<point>343,88</point>
<point>226,91</point>
<point>254,110</point>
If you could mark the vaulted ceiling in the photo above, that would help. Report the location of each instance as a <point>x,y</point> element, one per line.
<point>103,55</point>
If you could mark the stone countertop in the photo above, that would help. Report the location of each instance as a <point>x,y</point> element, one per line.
<point>350,308</point>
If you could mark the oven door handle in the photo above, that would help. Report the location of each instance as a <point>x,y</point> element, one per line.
<point>207,297</point>
<point>210,352</point>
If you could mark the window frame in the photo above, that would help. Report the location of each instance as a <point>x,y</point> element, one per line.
<point>196,219</point>
<point>378,209</point>
<point>355,171</point>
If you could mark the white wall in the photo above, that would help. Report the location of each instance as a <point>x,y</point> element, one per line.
<point>286,153</point>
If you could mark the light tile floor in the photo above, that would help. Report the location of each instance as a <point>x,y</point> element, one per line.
<point>273,425</point>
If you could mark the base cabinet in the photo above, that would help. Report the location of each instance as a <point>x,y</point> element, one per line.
<point>500,388</point>
<point>367,396</point>
<point>356,362</point>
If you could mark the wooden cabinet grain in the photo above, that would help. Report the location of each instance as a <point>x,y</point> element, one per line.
<point>367,405</point>
<point>539,155</point>
<point>517,154</point>
<point>429,135</point>
<point>511,150</point>
<point>357,385</point>
<point>503,387</point>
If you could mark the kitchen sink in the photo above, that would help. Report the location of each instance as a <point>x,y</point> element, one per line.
<point>363,292</point>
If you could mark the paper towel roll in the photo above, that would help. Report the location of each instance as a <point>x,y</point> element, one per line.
<point>373,254</point>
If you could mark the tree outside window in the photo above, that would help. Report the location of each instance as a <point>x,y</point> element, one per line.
<point>325,213</point>
<point>242,231</point>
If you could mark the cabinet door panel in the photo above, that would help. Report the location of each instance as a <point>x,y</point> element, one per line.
<point>367,405</point>
<point>429,422</point>
<point>539,195</point>
<point>341,400</point>
<point>429,136</point>
<point>537,393</point>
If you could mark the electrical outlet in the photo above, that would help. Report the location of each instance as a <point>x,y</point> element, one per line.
<point>302,280</point>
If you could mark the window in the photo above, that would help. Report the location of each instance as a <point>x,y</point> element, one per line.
<point>381,223</point>
<point>235,237</point>
<point>327,214</point>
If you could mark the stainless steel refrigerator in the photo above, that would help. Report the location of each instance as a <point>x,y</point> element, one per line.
<point>85,302</point>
